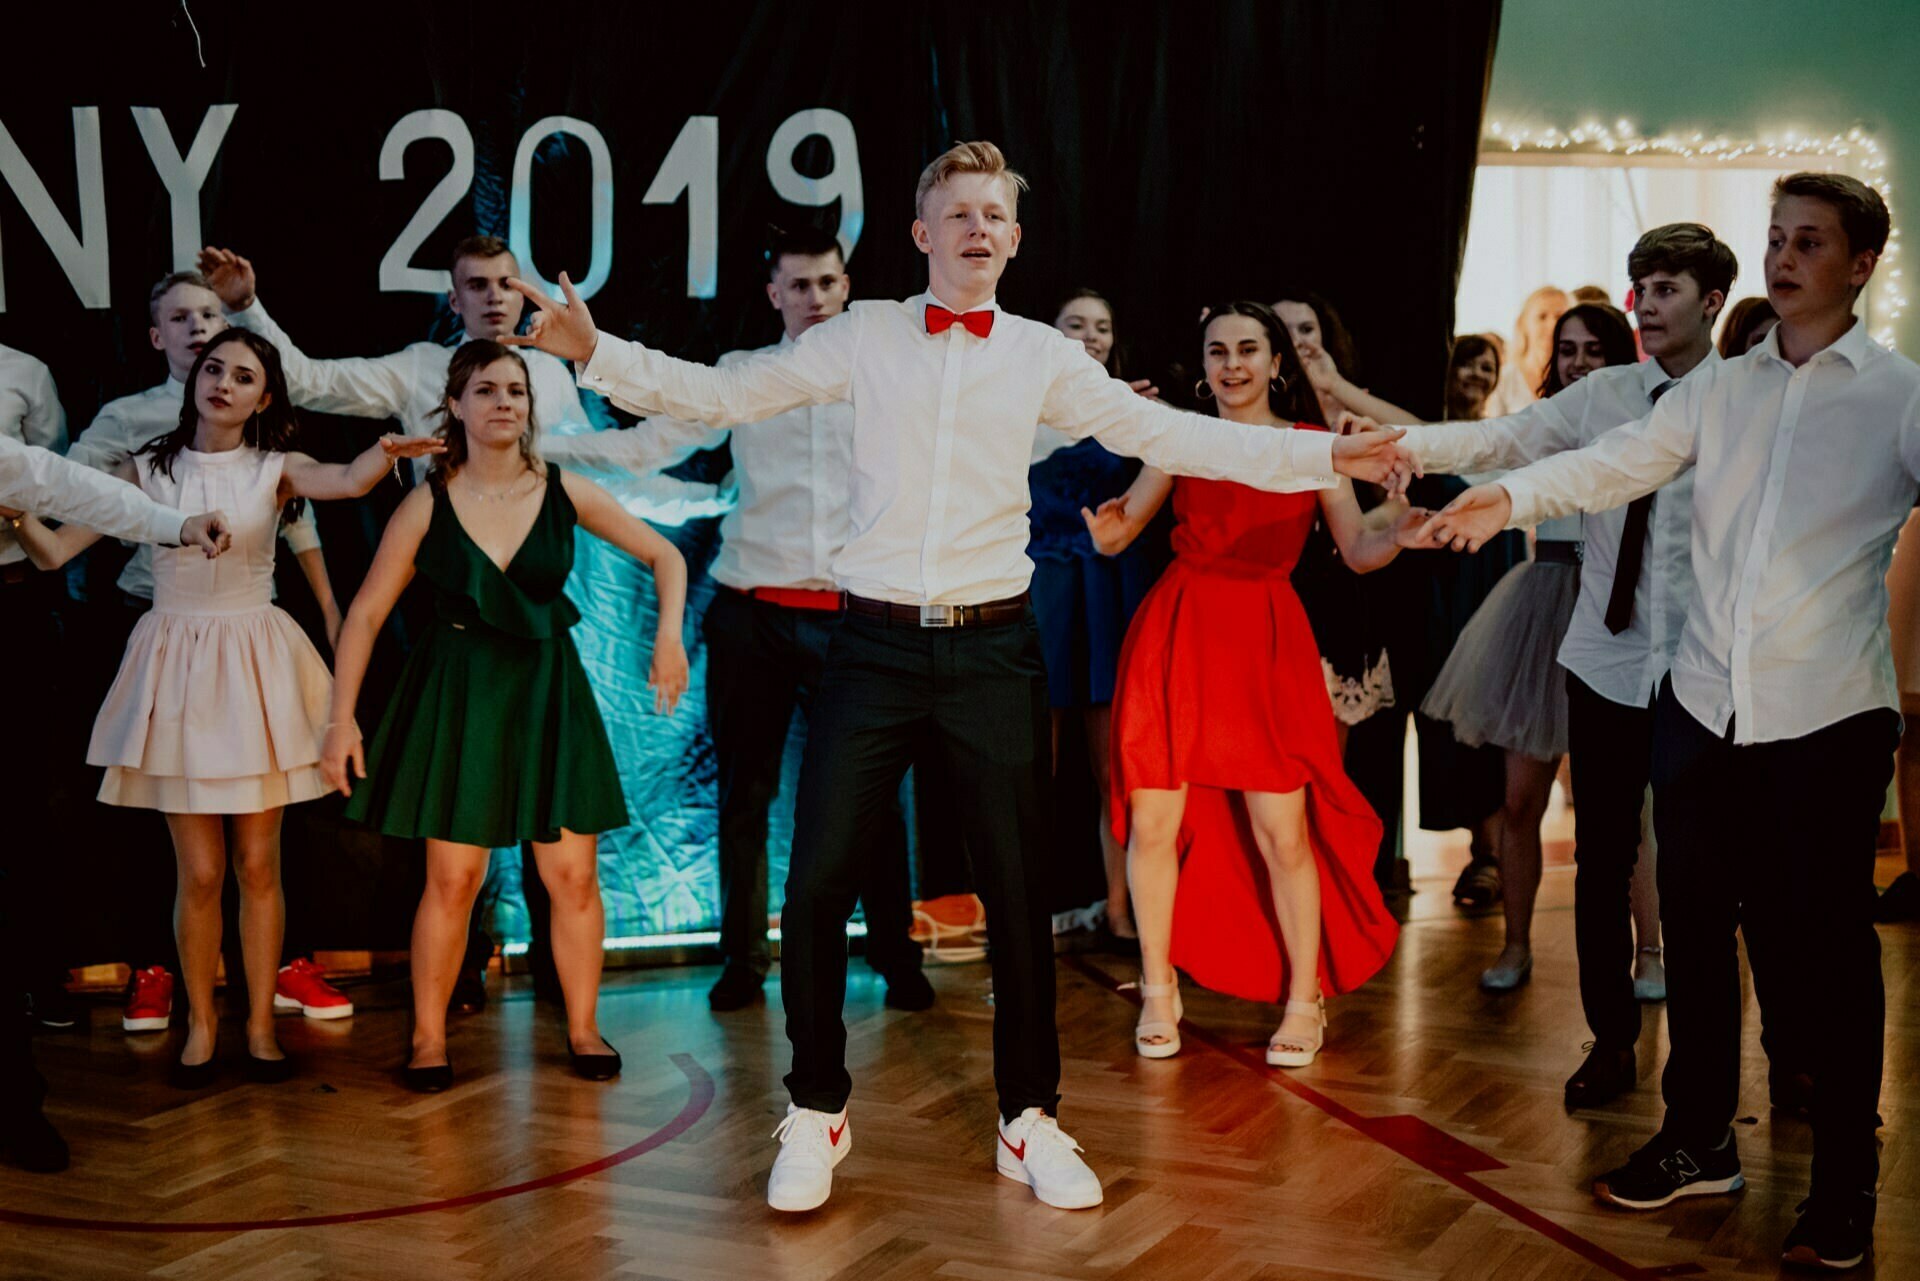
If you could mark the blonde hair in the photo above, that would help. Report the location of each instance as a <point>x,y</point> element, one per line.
<point>967,157</point>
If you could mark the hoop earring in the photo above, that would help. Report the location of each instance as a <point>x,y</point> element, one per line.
<point>1278,386</point>
<point>1202,389</point>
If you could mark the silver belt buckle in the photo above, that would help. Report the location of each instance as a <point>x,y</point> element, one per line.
<point>939,615</point>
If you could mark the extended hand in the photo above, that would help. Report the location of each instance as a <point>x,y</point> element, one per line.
<point>396,446</point>
<point>1378,457</point>
<point>343,745</point>
<point>1321,371</point>
<point>211,532</point>
<point>1409,530</point>
<point>1109,527</point>
<point>1145,387</point>
<point>230,276</point>
<point>667,676</point>
<point>1466,523</point>
<point>559,329</point>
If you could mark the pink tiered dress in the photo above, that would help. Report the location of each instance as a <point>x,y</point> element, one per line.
<point>221,702</point>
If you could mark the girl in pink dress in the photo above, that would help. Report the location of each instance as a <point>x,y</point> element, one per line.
<point>217,715</point>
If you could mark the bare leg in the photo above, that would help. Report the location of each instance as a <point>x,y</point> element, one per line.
<point>1099,726</point>
<point>570,869</point>
<point>1153,873</point>
<point>1280,830</point>
<point>455,874</point>
<point>263,921</point>
<point>1529,788</point>
<point>200,857</point>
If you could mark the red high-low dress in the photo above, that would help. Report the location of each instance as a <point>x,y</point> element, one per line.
<point>1221,688</point>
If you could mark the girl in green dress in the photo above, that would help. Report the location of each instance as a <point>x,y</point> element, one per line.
<point>493,736</point>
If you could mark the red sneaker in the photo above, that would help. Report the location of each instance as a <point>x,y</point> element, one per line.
<point>149,1001</point>
<point>303,986</point>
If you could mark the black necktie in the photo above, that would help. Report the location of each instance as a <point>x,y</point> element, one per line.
<point>1633,544</point>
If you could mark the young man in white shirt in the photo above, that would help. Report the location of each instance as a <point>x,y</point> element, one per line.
<point>34,479</point>
<point>30,414</point>
<point>1775,730</point>
<point>769,624</point>
<point>939,644</point>
<point>184,313</point>
<point>1635,576</point>
<point>411,385</point>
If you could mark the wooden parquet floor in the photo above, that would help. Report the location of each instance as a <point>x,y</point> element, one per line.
<point>1429,1142</point>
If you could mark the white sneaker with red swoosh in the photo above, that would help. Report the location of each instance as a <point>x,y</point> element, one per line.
<point>811,1144</point>
<point>1033,1150</point>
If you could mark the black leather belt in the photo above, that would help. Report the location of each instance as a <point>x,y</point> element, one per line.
<point>983,615</point>
<point>1557,550</point>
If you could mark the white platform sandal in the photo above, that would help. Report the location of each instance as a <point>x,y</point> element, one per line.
<point>1169,1045</point>
<point>1297,1051</point>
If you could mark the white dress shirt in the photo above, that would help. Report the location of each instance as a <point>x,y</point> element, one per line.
<point>30,414</point>
<point>793,469</point>
<point>1626,668</point>
<point>410,384</point>
<point>36,480</point>
<point>943,432</point>
<point>121,429</point>
<point>1805,477</point>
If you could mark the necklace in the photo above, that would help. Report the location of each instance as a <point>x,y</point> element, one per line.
<point>483,496</point>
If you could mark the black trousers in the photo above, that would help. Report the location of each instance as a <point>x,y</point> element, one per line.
<point>763,662</point>
<point>1610,749</point>
<point>38,948</point>
<point>973,700</point>
<point>1776,840</point>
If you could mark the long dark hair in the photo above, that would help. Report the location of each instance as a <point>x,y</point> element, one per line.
<point>1607,323</point>
<point>1116,354</point>
<point>1291,395</point>
<point>1335,338</point>
<point>272,428</point>
<point>469,360</point>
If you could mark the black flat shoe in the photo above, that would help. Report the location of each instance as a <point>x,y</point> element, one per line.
<point>909,990</point>
<point>595,1067</point>
<point>428,1080</point>
<point>1605,1076</point>
<point>268,1071</point>
<point>191,1076</point>
<point>736,989</point>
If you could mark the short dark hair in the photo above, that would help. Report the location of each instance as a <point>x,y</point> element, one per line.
<point>1688,247</point>
<point>1863,214</point>
<point>167,282</point>
<point>806,242</point>
<point>477,247</point>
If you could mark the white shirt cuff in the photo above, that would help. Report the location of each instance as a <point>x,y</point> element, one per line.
<point>1313,456</point>
<point>163,528</point>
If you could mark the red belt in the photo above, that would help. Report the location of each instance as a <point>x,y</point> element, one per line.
<point>798,598</point>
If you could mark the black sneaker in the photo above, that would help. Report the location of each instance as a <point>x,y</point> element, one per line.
<point>1608,1073</point>
<point>52,1007</point>
<point>1900,901</point>
<point>1664,1171</point>
<point>1834,1232</point>
<point>908,989</point>
<point>737,988</point>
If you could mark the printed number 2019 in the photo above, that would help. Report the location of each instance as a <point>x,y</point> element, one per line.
<point>691,166</point>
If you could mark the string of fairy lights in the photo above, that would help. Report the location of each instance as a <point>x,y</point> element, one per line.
<point>1855,152</point>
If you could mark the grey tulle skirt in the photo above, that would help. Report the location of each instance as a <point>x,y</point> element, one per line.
<point>1503,685</point>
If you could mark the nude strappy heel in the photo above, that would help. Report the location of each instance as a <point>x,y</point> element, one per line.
<point>1297,1051</point>
<point>1170,1046</point>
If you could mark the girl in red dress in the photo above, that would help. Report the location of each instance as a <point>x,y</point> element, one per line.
<point>1227,781</point>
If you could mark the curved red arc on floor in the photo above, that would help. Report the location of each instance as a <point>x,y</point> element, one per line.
<point>700,1094</point>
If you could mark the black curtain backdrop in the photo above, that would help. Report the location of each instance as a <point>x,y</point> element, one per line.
<point>1179,154</point>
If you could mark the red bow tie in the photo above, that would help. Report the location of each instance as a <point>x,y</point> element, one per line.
<point>977,323</point>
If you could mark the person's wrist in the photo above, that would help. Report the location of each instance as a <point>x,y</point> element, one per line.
<point>243,304</point>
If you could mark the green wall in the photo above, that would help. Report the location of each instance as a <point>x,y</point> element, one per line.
<point>1740,67</point>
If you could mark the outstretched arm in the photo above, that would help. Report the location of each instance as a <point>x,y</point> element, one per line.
<point>304,477</point>
<point>1369,540</point>
<point>1119,521</point>
<point>368,387</point>
<point>52,548</point>
<point>387,577</point>
<point>603,517</point>
<point>815,369</point>
<point>37,480</point>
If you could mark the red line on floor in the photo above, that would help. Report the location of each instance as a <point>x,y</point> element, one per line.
<point>1444,1159</point>
<point>700,1094</point>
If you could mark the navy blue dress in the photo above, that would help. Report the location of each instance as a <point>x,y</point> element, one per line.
<point>1082,600</point>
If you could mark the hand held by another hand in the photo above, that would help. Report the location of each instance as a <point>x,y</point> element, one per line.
<point>343,745</point>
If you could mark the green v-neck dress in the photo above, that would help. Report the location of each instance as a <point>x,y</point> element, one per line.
<point>493,736</point>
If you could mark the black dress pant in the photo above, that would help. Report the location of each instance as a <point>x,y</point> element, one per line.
<point>763,662</point>
<point>1777,840</point>
<point>973,699</point>
<point>37,950</point>
<point>1610,749</point>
